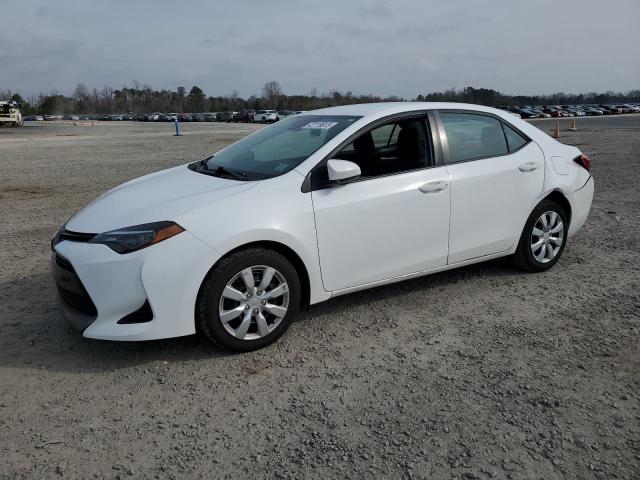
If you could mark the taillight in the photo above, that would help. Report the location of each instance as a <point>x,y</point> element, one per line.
<point>583,161</point>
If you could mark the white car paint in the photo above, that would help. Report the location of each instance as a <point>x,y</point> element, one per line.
<point>349,237</point>
<point>363,237</point>
<point>493,185</point>
<point>265,116</point>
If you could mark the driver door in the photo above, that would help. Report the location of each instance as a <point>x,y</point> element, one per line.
<point>392,221</point>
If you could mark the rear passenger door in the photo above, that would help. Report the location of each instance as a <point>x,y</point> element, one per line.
<point>496,174</point>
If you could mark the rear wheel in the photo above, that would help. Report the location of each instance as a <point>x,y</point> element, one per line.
<point>249,300</point>
<point>543,238</point>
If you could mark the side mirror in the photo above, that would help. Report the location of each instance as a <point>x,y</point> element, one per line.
<point>342,171</point>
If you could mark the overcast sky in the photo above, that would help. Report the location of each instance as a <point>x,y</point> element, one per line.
<point>401,47</point>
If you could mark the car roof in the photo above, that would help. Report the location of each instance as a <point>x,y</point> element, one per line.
<point>390,108</point>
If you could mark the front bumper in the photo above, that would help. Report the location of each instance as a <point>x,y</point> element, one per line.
<point>167,275</point>
<point>74,302</point>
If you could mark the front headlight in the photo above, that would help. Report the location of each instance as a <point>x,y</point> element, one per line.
<point>130,239</point>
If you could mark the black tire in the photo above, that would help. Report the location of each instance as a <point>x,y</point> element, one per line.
<point>523,258</point>
<point>207,315</point>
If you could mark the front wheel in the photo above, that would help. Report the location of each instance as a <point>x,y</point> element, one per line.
<point>249,300</point>
<point>543,238</point>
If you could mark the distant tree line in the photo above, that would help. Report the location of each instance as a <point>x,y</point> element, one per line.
<point>144,99</point>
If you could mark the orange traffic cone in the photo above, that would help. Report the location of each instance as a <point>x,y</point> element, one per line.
<point>573,127</point>
<point>556,131</point>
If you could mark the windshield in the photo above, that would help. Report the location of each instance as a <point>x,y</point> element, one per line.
<point>279,148</point>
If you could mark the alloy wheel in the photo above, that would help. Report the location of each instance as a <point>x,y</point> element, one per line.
<point>547,237</point>
<point>254,302</point>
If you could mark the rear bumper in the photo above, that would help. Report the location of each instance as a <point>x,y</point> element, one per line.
<point>580,206</point>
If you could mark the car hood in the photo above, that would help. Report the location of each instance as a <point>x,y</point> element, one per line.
<point>159,196</point>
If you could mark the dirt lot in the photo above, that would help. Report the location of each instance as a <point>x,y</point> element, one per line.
<point>482,372</point>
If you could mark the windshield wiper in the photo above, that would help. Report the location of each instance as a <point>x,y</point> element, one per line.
<point>219,171</point>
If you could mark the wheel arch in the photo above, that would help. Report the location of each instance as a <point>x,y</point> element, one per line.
<point>283,250</point>
<point>559,197</point>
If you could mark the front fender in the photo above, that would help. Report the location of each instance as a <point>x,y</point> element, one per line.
<point>274,211</point>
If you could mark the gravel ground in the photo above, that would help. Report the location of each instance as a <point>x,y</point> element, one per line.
<point>481,372</point>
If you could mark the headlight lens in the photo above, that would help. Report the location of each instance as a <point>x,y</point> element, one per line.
<point>130,239</point>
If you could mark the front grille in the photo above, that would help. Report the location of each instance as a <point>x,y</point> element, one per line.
<point>75,236</point>
<point>70,288</point>
<point>81,302</point>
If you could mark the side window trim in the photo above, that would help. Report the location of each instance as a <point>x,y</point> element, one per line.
<point>436,156</point>
<point>395,125</point>
<point>445,142</point>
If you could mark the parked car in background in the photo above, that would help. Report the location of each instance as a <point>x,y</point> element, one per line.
<point>231,117</point>
<point>624,108</point>
<point>592,111</point>
<point>10,114</point>
<point>612,109</point>
<point>316,206</point>
<point>539,111</point>
<point>527,113</point>
<point>265,116</point>
<point>282,114</point>
<point>171,117</point>
<point>605,110</point>
<point>246,115</point>
<point>576,112</point>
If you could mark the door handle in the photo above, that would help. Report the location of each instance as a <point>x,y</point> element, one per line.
<point>529,166</point>
<point>433,187</point>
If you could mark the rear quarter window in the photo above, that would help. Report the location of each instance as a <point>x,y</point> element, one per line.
<point>515,141</point>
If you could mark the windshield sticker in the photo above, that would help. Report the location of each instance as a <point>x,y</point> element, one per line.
<point>281,167</point>
<point>320,125</point>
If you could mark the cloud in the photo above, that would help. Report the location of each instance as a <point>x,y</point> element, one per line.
<point>274,46</point>
<point>403,47</point>
<point>380,10</point>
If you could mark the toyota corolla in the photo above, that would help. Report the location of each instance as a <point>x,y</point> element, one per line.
<point>317,205</point>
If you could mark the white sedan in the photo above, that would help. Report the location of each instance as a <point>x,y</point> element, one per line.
<point>317,205</point>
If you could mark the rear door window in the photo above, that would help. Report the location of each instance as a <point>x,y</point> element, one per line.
<point>473,136</point>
